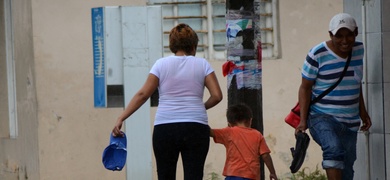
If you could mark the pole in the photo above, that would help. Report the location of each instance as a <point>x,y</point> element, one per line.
<point>243,66</point>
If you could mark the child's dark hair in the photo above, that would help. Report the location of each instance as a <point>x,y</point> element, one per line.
<point>238,113</point>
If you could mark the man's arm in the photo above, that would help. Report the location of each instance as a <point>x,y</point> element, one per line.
<point>363,113</point>
<point>304,97</point>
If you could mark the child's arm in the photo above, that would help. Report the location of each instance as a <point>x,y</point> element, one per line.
<point>268,162</point>
<point>211,132</point>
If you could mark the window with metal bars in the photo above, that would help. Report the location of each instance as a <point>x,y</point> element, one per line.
<point>207,16</point>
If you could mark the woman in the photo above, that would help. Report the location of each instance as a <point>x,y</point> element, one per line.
<point>181,123</point>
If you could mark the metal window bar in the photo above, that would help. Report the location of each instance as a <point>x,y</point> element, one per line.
<point>185,17</point>
<point>269,29</point>
<point>176,3</point>
<point>267,18</point>
<point>12,103</point>
<point>206,21</point>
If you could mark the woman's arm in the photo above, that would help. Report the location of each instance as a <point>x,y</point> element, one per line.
<point>211,83</point>
<point>137,101</point>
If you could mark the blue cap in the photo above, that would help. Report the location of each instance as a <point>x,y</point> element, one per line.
<point>114,155</point>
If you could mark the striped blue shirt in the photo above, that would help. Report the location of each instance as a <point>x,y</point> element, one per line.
<point>324,67</point>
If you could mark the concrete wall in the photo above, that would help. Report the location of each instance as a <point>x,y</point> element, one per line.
<point>72,133</point>
<point>3,77</point>
<point>385,25</point>
<point>19,155</point>
<point>373,146</point>
<point>303,24</point>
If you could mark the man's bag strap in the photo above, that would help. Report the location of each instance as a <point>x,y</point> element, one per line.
<point>335,84</point>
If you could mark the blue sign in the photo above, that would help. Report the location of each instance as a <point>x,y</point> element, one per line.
<point>98,57</point>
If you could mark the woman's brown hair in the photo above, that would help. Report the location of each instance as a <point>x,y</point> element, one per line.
<point>183,37</point>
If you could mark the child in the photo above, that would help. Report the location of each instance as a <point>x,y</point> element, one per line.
<point>244,146</point>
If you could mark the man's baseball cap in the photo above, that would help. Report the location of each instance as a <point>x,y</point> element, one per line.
<point>342,20</point>
<point>114,155</point>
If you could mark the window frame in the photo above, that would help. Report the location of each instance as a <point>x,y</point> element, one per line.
<point>10,68</point>
<point>269,27</point>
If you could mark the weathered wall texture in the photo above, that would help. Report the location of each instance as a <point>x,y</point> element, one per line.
<point>72,133</point>
<point>19,156</point>
<point>303,24</point>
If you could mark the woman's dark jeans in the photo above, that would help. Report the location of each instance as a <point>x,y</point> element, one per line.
<point>191,140</point>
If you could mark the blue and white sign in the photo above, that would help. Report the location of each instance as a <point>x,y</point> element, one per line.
<point>98,57</point>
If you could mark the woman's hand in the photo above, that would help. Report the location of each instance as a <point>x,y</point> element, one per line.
<point>116,132</point>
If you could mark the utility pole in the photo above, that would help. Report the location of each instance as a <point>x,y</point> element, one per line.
<point>243,66</point>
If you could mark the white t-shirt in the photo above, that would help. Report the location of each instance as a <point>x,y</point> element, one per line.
<point>181,88</point>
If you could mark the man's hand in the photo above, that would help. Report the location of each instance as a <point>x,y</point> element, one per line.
<point>366,123</point>
<point>301,127</point>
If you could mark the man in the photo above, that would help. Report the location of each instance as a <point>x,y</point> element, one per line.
<point>334,120</point>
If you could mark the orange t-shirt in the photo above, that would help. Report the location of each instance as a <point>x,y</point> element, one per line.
<point>243,149</point>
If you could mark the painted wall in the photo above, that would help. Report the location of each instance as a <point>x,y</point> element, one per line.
<point>19,155</point>
<point>374,146</point>
<point>385,31</point>
<point>72,133</point>
<point>302,25</point>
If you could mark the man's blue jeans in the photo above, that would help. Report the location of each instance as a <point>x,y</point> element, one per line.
<point>338,143</point>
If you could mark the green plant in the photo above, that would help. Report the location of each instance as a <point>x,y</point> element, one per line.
<point>214,176</point>
<point>306,174</point>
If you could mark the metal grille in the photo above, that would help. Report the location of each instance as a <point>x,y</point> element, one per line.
<point>209,16</point>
